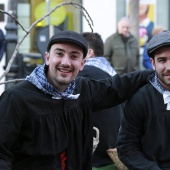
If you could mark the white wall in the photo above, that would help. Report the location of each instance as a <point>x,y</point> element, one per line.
<point>103,14</point>
<point>3,24</point>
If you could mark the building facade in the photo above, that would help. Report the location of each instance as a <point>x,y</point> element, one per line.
<point>104,17</point>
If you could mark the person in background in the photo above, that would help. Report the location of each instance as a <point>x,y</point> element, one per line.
<point>146,59</point>
<point>107,120</point>
<point>145,24</point>
<point>46,119</point>
<point>121,49</point>
<point>143,140</point>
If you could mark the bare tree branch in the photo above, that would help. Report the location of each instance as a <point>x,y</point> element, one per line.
<point>17,22</point>
<point>88,16</point>
<point>76,5</point>
<point>12,81</point>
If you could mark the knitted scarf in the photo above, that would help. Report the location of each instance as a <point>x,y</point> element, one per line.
<point>166,93</point>
<point>38,78</point>
<point>101,63</point>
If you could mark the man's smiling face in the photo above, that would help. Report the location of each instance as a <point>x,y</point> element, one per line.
<point>64,61</point>
<point>161,64</point>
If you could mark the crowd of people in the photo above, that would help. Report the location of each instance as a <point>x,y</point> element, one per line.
<point>47,120</point>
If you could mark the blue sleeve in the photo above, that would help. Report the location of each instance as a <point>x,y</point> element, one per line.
<point>146,60</point>
<point>2,44</point>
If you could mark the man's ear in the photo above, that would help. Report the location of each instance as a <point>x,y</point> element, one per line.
<point>82,64</point>
<point>153,62</point>
<point>90,53</point>
<point>47,56</point>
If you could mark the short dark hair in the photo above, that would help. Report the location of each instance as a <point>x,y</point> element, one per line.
<point>95,42</point>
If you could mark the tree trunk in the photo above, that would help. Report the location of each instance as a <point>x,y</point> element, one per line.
<point>134,17</point>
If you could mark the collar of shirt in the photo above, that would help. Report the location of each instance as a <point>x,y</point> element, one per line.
<point>101,63</point>
<point>38,78</point>
<point>166,93</point>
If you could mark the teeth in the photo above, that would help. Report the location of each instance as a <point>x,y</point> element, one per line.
<point>64,71</point>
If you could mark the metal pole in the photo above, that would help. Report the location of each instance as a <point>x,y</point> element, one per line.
<point>51,27</point>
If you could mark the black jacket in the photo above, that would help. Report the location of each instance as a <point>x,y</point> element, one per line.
<point>35,129</point>
<point>143,141</point>
<point>107,121</point>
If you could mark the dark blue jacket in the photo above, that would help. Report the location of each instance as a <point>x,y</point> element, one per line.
<point>146,59</point>
<point>2,44</point>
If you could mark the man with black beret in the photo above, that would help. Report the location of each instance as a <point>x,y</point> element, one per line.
<point>45,120</point>
<point>143,141</point>
<point>108,120</point>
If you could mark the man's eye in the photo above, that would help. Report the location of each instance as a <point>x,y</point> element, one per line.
<point>59,54</point>
<point>161,60</point>
<point>74,57</point>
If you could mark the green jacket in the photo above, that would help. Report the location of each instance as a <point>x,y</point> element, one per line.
<point>123,56</point>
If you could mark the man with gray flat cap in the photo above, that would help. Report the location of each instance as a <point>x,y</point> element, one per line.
<point>143,141</point>
<point>46,120</point>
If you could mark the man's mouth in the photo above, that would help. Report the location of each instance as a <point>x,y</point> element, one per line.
<point>167,74</point>
<point>64,71</point>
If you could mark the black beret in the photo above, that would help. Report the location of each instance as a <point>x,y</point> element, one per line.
<point>69,36</point>
<point>159,40</point>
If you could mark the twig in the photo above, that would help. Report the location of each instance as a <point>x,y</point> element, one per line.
<point>11,81</point>
<point>79,6</point>
<point>17,22</point>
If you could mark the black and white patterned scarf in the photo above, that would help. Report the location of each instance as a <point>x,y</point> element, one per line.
<point>101,63</point>
<point>38,78</point>
<point>166,93</point>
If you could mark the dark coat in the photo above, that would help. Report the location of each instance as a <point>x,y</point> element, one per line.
<point>123,55</point>
<point>35,129</point>
<point>2,44</point>
<point>143,141</point>
<point>107,121</point>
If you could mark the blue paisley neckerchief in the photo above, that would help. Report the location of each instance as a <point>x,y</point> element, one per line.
<point>166,93</point>
<point>38,78</point>
<point>154,81</point>
<point>101,63</point>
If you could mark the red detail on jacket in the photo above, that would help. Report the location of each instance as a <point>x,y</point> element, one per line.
<point>63,159</point>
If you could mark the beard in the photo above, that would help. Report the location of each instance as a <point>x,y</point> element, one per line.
<point>163,81</point>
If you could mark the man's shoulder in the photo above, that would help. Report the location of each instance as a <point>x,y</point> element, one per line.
<point>112,36</point>
<point>144,92</point>
<point>146,88</point>
<point>113,39</point>
<point>20,88</point>
<point>133,38</point>
<point>93,72</point>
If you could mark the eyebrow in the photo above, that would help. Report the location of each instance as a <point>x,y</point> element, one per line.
<point>72,52</point>
<point>161,57</point>
<point>60,49</point>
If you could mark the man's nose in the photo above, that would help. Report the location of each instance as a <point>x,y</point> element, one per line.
<point>65,60</point>
<point>168,65</point>
<point>126,28</point>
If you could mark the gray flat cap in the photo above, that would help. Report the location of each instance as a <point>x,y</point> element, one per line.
<point>159,40</point>
<point>69,36</point>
